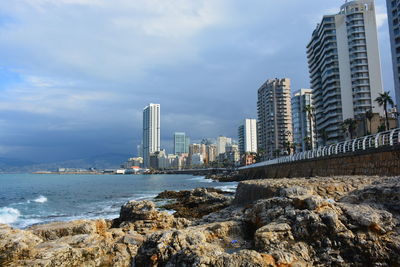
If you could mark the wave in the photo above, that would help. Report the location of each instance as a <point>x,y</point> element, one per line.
<point>40,199</point>
<point>201,179</point>
<point>227,188</point>
<point>9,215</point>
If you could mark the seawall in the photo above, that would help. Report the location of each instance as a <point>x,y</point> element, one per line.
<point>382,162</point>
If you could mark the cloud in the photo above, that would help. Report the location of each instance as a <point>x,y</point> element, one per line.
<point>105,39</point>
<point>76,74</point>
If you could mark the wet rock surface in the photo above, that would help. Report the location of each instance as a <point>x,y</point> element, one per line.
<point>338,221</point>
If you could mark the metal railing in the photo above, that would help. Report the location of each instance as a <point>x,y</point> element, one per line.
<point>383,139</point>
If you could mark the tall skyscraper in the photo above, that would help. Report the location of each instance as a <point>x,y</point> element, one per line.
<point>344,65</point>
<point>181,143</point>
<point>393,7</point>
<point>151,132</point>
<point>248,136</point>
<point>222,141</point>
<point>274,117</point>
<point>303,126</point>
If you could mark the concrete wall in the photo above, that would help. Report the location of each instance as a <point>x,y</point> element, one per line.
<point>383,162</point>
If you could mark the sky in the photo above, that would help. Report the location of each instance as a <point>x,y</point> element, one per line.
<point>75,75</point>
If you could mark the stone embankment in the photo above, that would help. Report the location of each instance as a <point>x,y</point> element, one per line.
<point>338,221</point>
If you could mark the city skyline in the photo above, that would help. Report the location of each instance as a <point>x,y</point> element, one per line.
<point>68,100</point>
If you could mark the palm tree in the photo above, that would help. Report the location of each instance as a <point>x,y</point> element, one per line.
<point>307,141</point>
<point>293,146</point>
<point>369,115</point>
<point>288,146</point>
<point>310,114</point>
<point>277,153</point>
<point>350,125</point>
<point>260,155</point>
<point>383,100</point>
<point>324,136</point>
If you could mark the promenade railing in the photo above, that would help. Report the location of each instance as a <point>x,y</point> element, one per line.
<point>370,142</point>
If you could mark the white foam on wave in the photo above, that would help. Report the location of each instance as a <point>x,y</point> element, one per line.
<point>25,223</point>
<point>227,188</point>
<point>201,179</point>
<point>40,199</point>
<point>9,215</point>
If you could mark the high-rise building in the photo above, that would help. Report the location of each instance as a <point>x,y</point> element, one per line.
<point>344,65</point>
<point>181,143</point>
<point>274,117</point>
<point>222,142</point>
<point>211,153</point>
<point>151,132</point>
<point>247,134</point>
<point>194,149</point>
<point>393,7</point>
<point>303,124</point>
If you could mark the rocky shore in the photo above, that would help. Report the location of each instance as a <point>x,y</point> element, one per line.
<point>337,221</point>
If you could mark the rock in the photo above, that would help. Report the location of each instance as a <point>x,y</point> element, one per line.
<point>75,243</point>
<point>384,194</point>
<point>196,203</point>
<point>227,177</point>
<point>57,230</point>
<point>16,245</point>
<point>337,221</point>
<point>142,217</point>
<point>326,187</point>
<point>137,211</point>
<point>193,246</point>
<point>368,217</point>
<point>293,226</point>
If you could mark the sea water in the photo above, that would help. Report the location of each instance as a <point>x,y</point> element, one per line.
<point>28,199</point>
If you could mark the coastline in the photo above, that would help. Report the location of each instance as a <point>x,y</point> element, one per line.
<point>336,221</point>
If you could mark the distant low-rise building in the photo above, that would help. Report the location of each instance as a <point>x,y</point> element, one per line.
<point>222,142</point>
<point>133,162</point>
<point>196,160</point>
<point>211,153</point>
<point>232,154</point>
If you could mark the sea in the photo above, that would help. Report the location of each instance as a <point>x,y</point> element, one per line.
<point>29,199</point>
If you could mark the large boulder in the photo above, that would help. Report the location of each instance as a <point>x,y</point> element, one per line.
<point>143,217</point>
